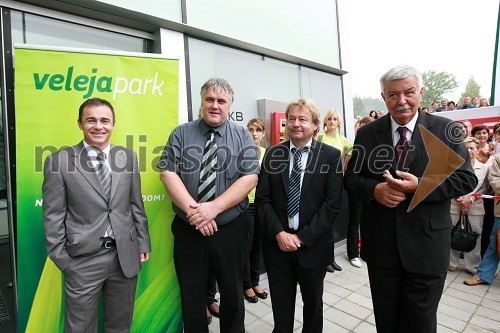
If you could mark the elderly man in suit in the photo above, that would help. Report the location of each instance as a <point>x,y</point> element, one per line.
<point>95,225</point>
<point>298,197</point>
<point>407,250</point>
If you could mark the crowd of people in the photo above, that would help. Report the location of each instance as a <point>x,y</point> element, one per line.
<point>483,214</point>
<point>236,202</point>
<point>445,105</point>
<point>467,103</point>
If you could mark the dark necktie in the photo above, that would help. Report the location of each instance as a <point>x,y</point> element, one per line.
<point>206,189</point>
<point>401,147</point>
<point>294,184</point>
<point>104,177</point>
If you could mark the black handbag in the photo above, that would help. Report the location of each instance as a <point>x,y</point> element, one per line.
<point>462,237</point>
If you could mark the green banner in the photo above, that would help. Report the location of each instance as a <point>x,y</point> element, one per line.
<point>50,85</point>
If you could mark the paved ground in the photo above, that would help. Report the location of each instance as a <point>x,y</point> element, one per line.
<point>348,306</point>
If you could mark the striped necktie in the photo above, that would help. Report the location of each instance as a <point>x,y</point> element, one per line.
<point>206,189</point>
<point>294,184</point>
<point>104,177</point>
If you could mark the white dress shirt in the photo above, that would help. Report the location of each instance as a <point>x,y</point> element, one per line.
<point>293,222</point>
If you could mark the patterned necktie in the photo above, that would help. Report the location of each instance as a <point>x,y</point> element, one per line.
<point>401,147</point>
<point>206,189</point>
<point>104,177</point>
<point>294,185</point>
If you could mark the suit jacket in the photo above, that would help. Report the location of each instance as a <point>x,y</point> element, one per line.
<point>75,208</point>
<point>320,200</point>
<point>420,238</point>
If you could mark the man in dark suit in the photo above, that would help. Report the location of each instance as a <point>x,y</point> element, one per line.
<point>298,203</point>
<point>407,252</point>
<point>95,225</point>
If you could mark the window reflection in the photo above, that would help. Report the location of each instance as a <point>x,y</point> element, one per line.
<point>34,29</point>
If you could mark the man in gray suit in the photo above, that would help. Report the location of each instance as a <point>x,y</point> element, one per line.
<point>95,225</point>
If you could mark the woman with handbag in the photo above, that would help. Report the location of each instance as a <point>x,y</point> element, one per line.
<point>488,267</point>
<point>468,205</point>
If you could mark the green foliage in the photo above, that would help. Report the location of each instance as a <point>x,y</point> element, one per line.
<point>363,105</point>
<point>437,84</point>
<point>471,89</point>
<point>358,105</point>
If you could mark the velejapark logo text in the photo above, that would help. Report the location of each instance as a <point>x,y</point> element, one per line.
<point>72,80</point>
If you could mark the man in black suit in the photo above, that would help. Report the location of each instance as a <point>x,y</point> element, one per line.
<point>298,197</point>
<point>407,252</point>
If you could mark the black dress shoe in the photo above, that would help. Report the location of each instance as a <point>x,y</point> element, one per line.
<point>262,295</point>
<point>330,269</point>
<point>251,299</point>
<point>214,310</point>
<point>336,266</point>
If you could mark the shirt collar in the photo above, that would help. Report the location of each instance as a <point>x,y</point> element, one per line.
<point>308,145</point>
<point>221,129</point>
<point>93,152</point>
<point>410,125</point>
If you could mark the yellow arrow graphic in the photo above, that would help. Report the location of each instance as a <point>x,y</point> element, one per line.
<point>443,161</point>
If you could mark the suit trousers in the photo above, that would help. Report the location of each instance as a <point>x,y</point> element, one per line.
<point>283,279</point>
<point>253,257</point>
<point>353,225</point>
<point>404,301</point>
<point>84,278</point>
<point>211,288</point>
<point>488,222</point>
<point>195,256</point>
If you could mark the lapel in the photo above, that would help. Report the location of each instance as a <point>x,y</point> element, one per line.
<point>83,164</point>
<point>285,165</point>
<point>383,135</point>
<point>117,161</point>
<point>416,142</point>
<point>312,162</point>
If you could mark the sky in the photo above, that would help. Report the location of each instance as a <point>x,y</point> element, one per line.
<point>455,36</point>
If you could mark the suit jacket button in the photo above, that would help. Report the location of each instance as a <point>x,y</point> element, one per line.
<point>110,211</point>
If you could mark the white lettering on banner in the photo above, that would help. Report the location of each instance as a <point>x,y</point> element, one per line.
<point>148,198</point>
<point>73,81</point>
<point>155,197</point>
<point>138,86</point>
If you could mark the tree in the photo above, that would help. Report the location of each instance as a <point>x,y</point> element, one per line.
<point>471,89</point>
<point>371,103</point>
<point>363,105</point>
<point>358,106</point>
<point>437,84</point>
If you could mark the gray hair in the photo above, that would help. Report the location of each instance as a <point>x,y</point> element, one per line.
<point>218,83</point>
<point>399,73</point>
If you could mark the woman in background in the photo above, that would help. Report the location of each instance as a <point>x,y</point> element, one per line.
<point>473,208</point>
<point>331,126</point>
<point>485,148</point>
<point>251,269</point>
<point>483,102</point>
<point>489,264</point>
